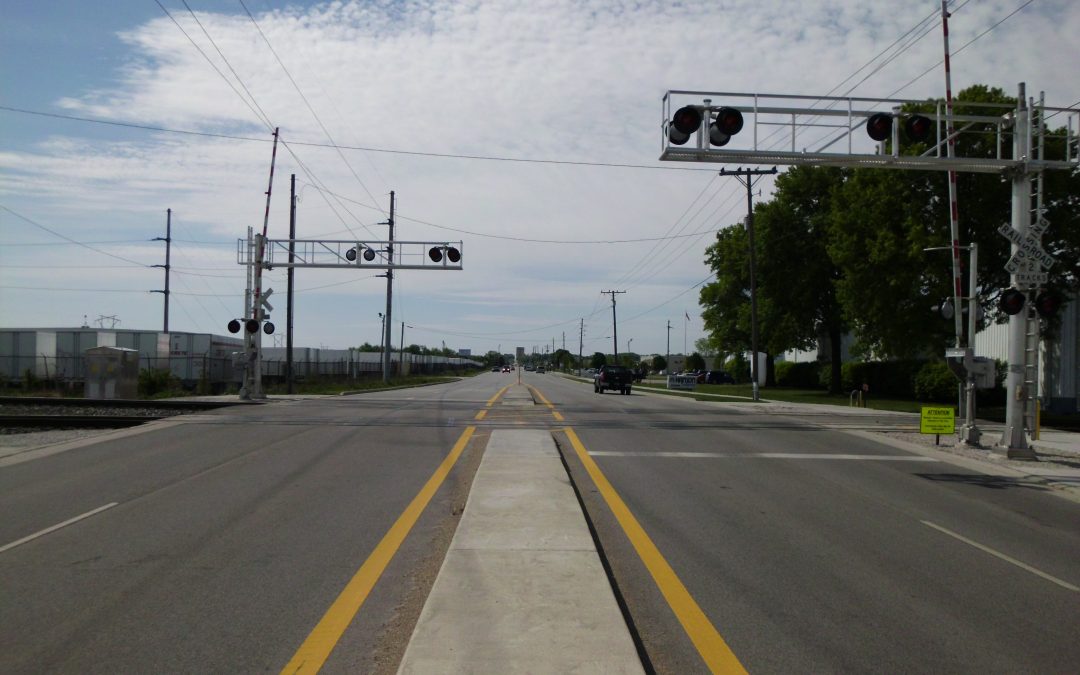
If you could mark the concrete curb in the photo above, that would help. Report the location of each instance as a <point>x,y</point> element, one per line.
<point>522,588</point>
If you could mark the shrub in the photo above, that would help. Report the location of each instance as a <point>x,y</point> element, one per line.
<point>886,378</point>
<point>154,382</point>
<point>935,382</point>
<point>805,375</point>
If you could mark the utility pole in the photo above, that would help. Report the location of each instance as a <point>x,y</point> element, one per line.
<point>581,346</point>
<point>401,352</point>
<point>168,247</point>
<point>667,366</point>
<point>289,386</point>
<point>389,293</point>
<point>749,183</point>
<point>614,323</point>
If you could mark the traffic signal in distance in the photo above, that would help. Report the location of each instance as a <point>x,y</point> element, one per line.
<point>436,253</point>
<point>1011,301</point>
<point>369,253</point>
<point>879,126</point>
<point>728,122</point>
<point>684,122</point>
<point>1047,304</point>
<point>251,326</point>
<point>234,326</point>
<point>917,128</point>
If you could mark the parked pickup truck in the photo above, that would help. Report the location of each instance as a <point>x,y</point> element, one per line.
<point>619,378</point>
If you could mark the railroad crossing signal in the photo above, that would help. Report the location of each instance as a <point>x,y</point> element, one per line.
<point>802,130</point>
<point>345,253</point>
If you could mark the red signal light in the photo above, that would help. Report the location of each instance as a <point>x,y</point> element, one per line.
<point>453,255</point>
<point>729,121</point>
<point>879,126</point>
<point>1011,301</point>
<point>234,326</point>
<point>251,326</point>
<point>1047,304</point>
<point>369,254</point>
<point>917,128</point>
<point>684,122</point>
<point>435,253</point>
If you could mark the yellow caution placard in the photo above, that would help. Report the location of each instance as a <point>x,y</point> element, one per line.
<point>937,420</point>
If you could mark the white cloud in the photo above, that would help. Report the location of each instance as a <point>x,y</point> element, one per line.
<point>559,80</point>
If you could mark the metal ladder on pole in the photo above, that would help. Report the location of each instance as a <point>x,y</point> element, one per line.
<point>1031,366</point>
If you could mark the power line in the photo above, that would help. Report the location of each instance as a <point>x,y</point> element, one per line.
<point>307,103</point>
<point>965,46</point>
<point>69,239</point>
<point>310,144</point>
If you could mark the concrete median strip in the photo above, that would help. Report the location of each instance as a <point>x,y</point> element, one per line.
<point>522,588</point>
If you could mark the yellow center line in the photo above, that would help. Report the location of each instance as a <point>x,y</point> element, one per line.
<point>551,406</point>
<point>710,645</point>
<point>491,401</point>
<point>312,654</point>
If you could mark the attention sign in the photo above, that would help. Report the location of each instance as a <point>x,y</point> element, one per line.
<point>937,420</point>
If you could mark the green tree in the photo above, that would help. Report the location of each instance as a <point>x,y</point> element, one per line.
<point>695,362</point>
<point>598,359</point>
<point>796,276</point>
<point>659,363</point>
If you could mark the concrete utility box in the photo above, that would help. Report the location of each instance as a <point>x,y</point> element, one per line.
<point>112,372</point>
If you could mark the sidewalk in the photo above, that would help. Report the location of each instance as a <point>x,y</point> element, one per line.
<point>522,588</point>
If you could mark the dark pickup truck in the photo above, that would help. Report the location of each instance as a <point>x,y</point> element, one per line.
<point>613,377</point>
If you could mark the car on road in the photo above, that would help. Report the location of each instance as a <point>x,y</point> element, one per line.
<point>495,369</point>
<point>506,369</point>
<point>619,378</point>
<point>541,370</point>
<point>717,377</point>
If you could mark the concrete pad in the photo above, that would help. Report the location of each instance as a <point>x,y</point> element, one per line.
<point>522,588</point>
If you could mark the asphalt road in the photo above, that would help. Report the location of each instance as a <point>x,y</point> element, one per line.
<point>231,535</point>
<point>225,539</point>
<point>812,550</point>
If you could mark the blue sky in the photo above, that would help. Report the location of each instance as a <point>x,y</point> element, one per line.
<point>556,80</point>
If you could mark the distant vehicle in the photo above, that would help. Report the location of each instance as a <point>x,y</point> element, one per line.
<point>619,378</point>
<point>541,370</point>
<point>495,369</point>
<point>718,377</point>
<point>506,369</point>
<point>530,367</point>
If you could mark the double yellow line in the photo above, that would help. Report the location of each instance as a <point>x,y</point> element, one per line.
<point>314,651</point>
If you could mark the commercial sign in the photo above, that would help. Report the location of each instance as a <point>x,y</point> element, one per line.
<point>937,420</point>
<point>682,382</point>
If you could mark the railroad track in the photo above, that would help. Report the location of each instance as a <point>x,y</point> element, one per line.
<point>79,413</point>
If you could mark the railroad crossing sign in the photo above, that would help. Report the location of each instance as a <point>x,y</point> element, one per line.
<point>1029,263</point>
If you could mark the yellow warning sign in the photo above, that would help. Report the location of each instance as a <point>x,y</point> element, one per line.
<point>937,420</point>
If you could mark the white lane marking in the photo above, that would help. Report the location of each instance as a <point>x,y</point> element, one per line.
<point>999,554</point>
<point>761,455</point>
<point>56,527</point>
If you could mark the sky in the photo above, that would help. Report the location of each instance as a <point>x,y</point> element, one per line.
<point>529,132</point>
